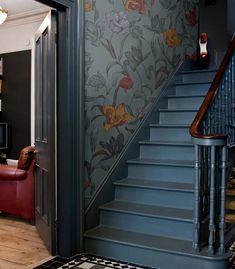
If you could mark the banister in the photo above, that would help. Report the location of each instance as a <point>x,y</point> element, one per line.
<point>195,126</point>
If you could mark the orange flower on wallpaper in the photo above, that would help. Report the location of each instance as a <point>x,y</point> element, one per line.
<point>172,38</point>
<point>88,5</point>
<point>191,17</point>
<point>115,116</point>
<point>137,5</point>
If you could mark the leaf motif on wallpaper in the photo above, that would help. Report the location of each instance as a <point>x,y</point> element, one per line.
<point>88,168</point>
<point>97,81</point>
<point>130,130</point>
<point>109,47</point>
<point>93,139</point>
<point>96,13</point>
<point>175,59</point>
<point>149,71</point>
<point>88,63</point>
<point>101,152</point>
<point>113,64</point>
<point>122,47</point>
<point>93,98</point>
<point>115,145</point>
<point>93,32</point>
<point>129,110</point>
<point>135,56</point>
<point>165,3</point>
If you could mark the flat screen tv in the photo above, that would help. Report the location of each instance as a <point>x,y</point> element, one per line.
<point>3,135</point>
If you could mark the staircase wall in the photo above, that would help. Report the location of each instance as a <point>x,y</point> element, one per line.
<point>130,52</point>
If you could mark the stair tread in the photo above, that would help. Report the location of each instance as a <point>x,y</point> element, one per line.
<point>185,163</point>
<point>192,83</point>
<point>155,184</point>
<point>195,71</point>
<point>185,96</point>
<point>166,142</point>
<point>169,125</point>
<point>139,239</point>
<point>149,210</point>
<point>177,110</point>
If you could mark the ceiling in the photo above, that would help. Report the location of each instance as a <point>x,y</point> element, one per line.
<point>16,7</point>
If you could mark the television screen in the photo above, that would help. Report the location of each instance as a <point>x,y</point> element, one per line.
<point>3,135</point>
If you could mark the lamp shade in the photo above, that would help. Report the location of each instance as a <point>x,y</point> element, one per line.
<point>3,15</point>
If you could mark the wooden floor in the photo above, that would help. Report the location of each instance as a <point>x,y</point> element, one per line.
<point>20,245</point>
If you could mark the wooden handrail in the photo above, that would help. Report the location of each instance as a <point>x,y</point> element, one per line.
<point>194,129</point>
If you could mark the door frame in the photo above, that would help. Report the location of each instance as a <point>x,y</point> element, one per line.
<point>70,136</point>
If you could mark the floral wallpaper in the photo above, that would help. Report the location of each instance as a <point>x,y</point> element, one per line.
<point>131,48</point>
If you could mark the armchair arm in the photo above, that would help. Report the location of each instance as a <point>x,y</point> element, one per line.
<point>9,172</point>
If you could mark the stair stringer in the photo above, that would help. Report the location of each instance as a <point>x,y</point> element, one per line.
<point>105,192</point>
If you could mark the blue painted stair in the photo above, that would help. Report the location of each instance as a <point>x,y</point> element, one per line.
<point>150,221</point>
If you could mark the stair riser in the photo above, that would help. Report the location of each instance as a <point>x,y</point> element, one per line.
<point>149,257</point>
<point>192,89</point>
<point>161,172</point>
<point>171,134</point>
<point>185,103</point>
<point>167,152</point>
<point>198,77</point>
<point>184,117</point>
<point>149,225</point>
<point>157,197</point>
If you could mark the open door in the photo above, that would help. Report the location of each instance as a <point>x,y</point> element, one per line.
<point>45,130</point>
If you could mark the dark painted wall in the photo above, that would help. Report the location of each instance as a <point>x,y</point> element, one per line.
<point>213,21</point>
<point>16,99</point>
<point>231,18</point>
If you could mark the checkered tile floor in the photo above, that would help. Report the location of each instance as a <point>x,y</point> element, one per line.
<point>85,261</point>
<point>88,262</point>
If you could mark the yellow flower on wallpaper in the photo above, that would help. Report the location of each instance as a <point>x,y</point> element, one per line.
<point>138,5</point>
<point>172,38</point>
<point>115,116</point>
<point>88,5</point>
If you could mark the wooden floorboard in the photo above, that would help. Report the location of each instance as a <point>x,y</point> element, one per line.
<point>20,245</point>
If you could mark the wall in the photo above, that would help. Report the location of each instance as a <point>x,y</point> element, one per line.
<point>230,18</point>
<point>213,21</point>
<point>131,47</point>
<point>16,100</point>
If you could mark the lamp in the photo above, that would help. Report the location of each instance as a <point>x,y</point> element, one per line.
<point>3,15</point>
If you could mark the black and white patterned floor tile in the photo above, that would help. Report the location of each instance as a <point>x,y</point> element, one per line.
<point>93,262</point>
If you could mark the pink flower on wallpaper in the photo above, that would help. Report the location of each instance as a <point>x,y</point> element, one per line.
<point>118,22</point>
<point>126,83</point>
<point>191,17</point>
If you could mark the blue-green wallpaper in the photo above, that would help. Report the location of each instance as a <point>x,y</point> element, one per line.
<point>131,47</point>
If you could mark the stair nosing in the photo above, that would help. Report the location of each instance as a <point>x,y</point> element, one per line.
<point>170,143</point>
<point>197,71</point>
<point>161,162</point>
<point>176,110</point>
<point>192,83</point>
<point>166,125</point>
<point>157,216</point>
<point>186,251</point>
<point>184,96</point>
<point>152,187</point>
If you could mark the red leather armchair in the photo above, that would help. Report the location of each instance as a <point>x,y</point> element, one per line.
<point>17,189</point>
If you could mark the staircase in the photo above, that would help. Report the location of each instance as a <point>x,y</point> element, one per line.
<point>150,221</point>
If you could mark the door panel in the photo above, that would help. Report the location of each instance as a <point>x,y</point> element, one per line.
<point>45,75</point>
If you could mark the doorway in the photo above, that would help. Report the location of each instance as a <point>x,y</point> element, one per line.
<point>69,222</point>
